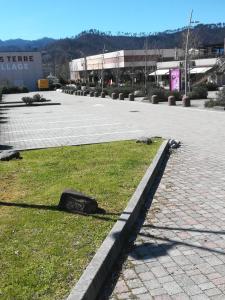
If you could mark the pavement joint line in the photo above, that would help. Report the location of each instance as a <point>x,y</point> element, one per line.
<point>28,119</point>
<point>60,128</point>
<point>75,136</point>
<point>92,279</point>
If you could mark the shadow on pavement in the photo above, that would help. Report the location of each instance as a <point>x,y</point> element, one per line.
<point>135,250</point>
<point>5,147</point>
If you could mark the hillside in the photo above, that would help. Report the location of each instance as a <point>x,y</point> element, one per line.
<point>57,53</point>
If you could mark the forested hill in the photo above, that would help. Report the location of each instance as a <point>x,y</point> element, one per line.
<point>92,41</point>
<point>59,52</point>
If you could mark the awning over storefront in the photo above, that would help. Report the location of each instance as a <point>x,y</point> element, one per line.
<point>160,72</point>
<point>200,70</point>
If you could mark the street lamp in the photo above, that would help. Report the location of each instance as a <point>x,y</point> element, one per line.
<point>102,73</point>
<point>146,49</point>
<point>186,53</point>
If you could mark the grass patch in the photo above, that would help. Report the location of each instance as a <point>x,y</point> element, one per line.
<point>44,251</point>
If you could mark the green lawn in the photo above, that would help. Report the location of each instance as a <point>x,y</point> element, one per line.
<point>44,251</point>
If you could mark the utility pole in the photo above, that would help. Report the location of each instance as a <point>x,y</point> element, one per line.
<point>102,73</point>
<point>85,69</point>
<point>146,49</point>
<point>186,55</point>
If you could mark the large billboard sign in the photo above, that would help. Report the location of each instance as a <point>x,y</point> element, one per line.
<point>20,69</point>
<point>15,62</point>
<point>175,79</point>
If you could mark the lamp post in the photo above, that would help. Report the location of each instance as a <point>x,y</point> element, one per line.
<point>186,53</point>
<point>146,49</point>
<point>102,75</point>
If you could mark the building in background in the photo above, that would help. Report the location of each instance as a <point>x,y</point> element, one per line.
<point>199,70</point>
<point>21,69</point>
<point>120,66</point>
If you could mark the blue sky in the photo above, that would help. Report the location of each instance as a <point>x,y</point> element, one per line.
<point>29,19</point>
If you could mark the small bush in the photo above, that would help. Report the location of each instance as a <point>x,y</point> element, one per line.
<point>164,94</point>
<point>24,89</point>
<point>211,86</point>
<point>28,100</point>
<point>14,90</point>
<point>39,98</point>
<point>198,92</point>
<point>211,103</point>
<point>221,95</point>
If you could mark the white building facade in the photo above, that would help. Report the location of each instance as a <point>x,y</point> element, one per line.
<point>20,69</point>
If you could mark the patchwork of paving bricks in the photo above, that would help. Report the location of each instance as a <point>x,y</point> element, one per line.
<point>179,250</point>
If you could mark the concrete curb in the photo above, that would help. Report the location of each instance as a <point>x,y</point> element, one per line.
<point>91,281</point>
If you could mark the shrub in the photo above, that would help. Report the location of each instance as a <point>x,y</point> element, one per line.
<point>211,86</point>
<point>24,89</point>
<point>39,98</point>
<point>220,101</point>
<point>164,94</point>
<point>14,90</point>
<point>28,100</point>
<point>221,95</point>
<point>198,92</point>
<point>211,103</point>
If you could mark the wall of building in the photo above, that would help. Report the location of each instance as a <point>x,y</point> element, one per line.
<point>122,59</point>
<point>20,69</point>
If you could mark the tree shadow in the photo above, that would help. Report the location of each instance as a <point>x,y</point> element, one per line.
<point>184,229</point>
<point>10,102</point>
<point>150,250</point>
<point>5,147</point>
<point>182,243</point>
<point>101,214</point>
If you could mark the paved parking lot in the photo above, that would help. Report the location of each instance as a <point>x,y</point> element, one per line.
<point>178,251</point>
<point>83,120</point>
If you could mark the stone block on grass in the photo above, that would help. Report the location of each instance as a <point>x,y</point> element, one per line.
<point>9,154</point>
<point>74,201</point>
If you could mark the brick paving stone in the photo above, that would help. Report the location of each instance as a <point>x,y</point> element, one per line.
<point>199,278</point>
<point>139,291</point>
<point>172,288</point>
<point>123,296</point>
<point>159,271</point>
<point>152,284</point>
<point>121,287</point>
<point>162,297</point>
<point>129,274</point>
<point>180,296</point>
<point>141,268</point>
<point>144,297</point>
<point>213,292</point>
<point>200,297</point>
<point>217,297</point>
<point>134,283</point>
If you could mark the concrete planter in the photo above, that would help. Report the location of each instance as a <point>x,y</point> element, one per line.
<point>131,97</point>
<point>154,99</point>
<point>186,102</point>
<point>121,96</point>
<point>114,96</point>
<point>171,101</point>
